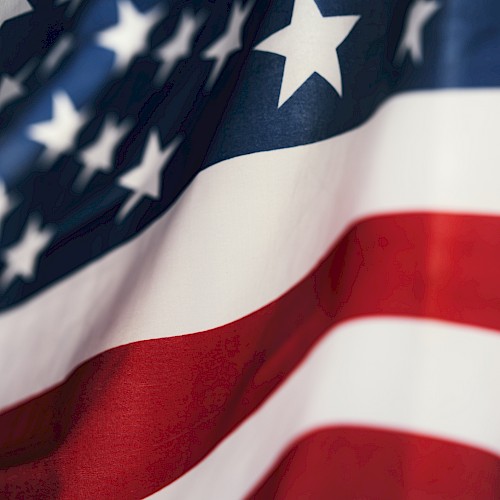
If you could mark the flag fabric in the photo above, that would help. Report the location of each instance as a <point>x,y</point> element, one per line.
<point>249,249</point>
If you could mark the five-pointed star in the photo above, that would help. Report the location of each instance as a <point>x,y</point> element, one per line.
<point>99,155</point>
<point>10,90</point>
<point>12,87</point>
<point>59,134</point>
<point>145,179</point>
<point>7,203</point>
<point>309,44</point>
<point>21,259</point>
<point>128,38</point>
<point>180,45</point>
<point>228,43</point>
<point>418,16</point>
<point>9,9</point>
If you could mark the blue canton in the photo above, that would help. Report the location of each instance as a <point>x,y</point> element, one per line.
<point>109,108</point>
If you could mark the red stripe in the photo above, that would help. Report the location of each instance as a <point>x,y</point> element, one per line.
<point>368,464</point>
<point>133,419</point>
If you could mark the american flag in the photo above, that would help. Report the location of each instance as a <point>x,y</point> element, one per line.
<point>249,249</point>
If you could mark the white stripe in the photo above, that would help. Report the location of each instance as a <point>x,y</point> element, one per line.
<point>249,228</point>
<point>409,375</point>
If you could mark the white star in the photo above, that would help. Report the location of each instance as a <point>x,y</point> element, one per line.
<point>21,259</point>
<point>10,90</point>
<point>7,203</point>
<point>180,45</point>
<point>145,179</point>
<point>128,38</point>
<point>59,134</point>
<point>11,87</point>
<point>228,43</point>
<point>309,44</point>
<point>99,155</point>
<point>418,16</point>
<point>9,9</point>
